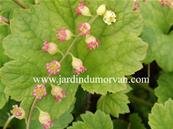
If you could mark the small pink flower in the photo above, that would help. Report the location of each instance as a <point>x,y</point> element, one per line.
<point>58,93</point>
<point>45,120</point>
<point>4,20</point>
<point>166,3</point>
<point>51,47</point>
<point>84,29</point>
<point>39,91</point>
<point>92,42</point>
<point>77,65</point>
<point>64,34</point>
<point>18,112</point>
<point>53,68</point>
<point>136,5</point>
<point>82,9</point>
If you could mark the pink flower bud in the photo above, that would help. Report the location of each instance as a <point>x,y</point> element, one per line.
<point>45,120</point>
<point>53,68</point>
<point>4,20</point>
<point>166,3</point>
<point>136,5</point>
<point>39,91</point>
<point>92,42</point>
<point>18,112</point>
<point>84,29</point>
<point>51,48</point>
<point>58,93</point>
<point>78,66</point>
<point>64,34</point>
<point>82,9</point>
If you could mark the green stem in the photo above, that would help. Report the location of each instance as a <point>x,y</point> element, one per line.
<point>148,88</point>
<point>93,19</point>
<point>69,48</point>
<point>75,39</point>
<point>8,121</point>
<point>61,52</point>
<point>129,126</point>
<point>139,100</point>
<point>18,2</point>
<point>30,114</point>
<point>148,72</point>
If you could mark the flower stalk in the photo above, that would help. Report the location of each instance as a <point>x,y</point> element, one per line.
<point>30,114</point>
<point>8,121</point>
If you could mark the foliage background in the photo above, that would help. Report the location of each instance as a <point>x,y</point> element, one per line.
<point>138,44</point>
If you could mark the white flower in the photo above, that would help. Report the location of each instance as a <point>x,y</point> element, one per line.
<point>101,9</point>
<point>109,17</point>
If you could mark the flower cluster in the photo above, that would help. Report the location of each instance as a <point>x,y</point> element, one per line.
<point>64,34</point>
<point>39,92</point>
<point>84,29</point>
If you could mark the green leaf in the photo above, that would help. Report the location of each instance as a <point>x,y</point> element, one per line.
<point>114,104</point>
<point>165,87</point>
<point>8,7</point>
<point>4,30</point>
<point>31,27</point>
<point>4,112</point>
<point>136,122</point>
<point>162,115</point>
<point>157,33</point>
<point>99,120</point>
<point>3,97</point>
<point>124,51</point>
<point>120,124</point>
<point>29,35</point>
<point>120,53</point>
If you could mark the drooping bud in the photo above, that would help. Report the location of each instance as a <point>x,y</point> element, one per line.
<point>101,9</point>
<point>109,17</point>
<point>53,68</point>
<point>18,112</point>
<point>51,47</point>
<point>77,65</point>
<point>136,5</point>
<point>45,119</point>
<point>64,34</point>
<point>84,29</point>
<point>58,93</point>
<point>39,91</point>
<point>4,20</point>
<point>92,42</point>
<point>82,9</point>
